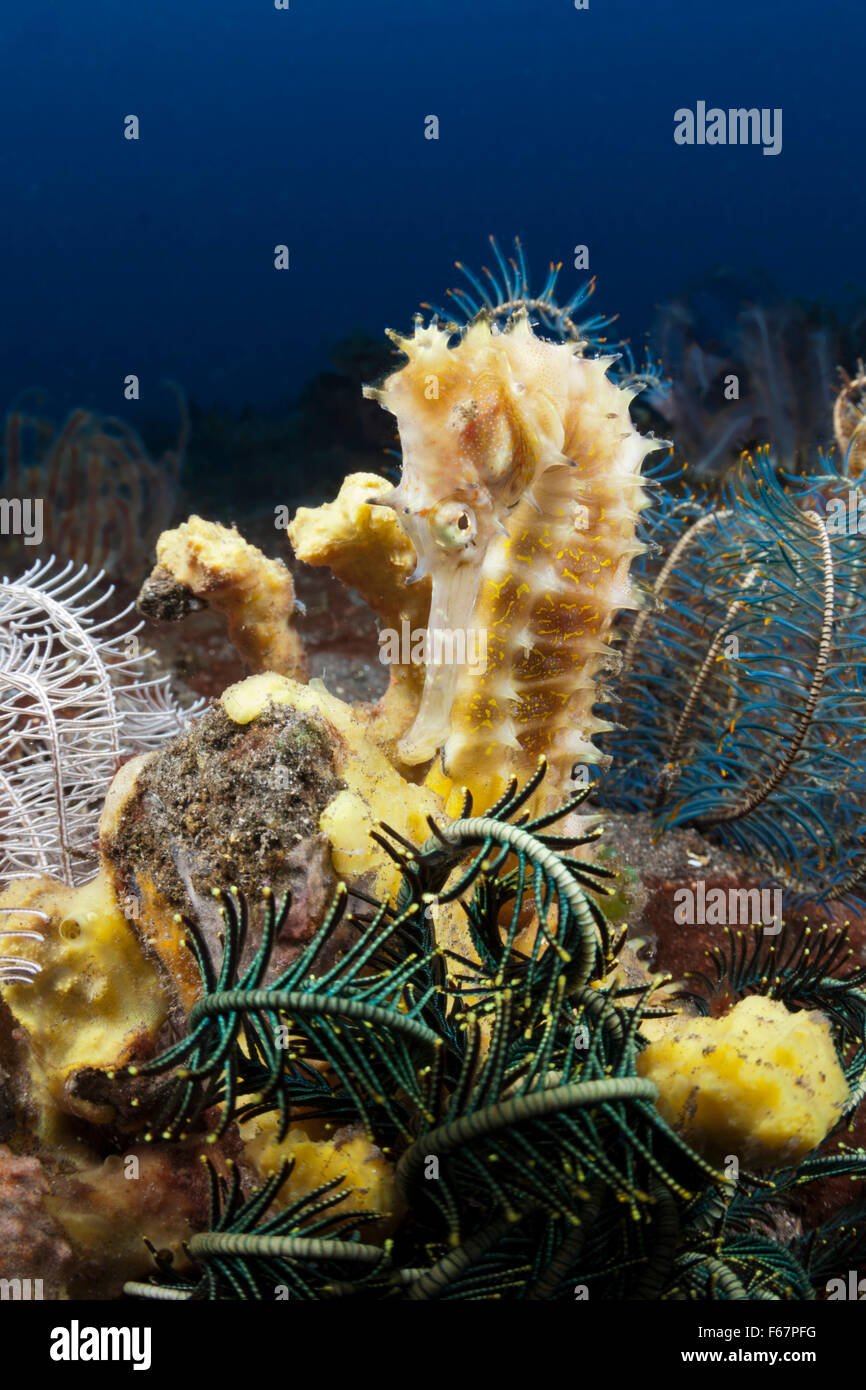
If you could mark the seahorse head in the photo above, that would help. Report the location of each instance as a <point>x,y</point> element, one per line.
<point>467,452</point>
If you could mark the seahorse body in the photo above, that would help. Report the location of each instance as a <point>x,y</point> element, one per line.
<point>520,491</point>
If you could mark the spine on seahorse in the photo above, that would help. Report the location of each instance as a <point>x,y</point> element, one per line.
<point>520,492</point>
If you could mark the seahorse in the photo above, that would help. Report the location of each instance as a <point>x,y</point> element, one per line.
<point>520,491</point>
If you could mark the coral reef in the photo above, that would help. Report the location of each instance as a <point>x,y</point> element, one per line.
<point>379,963</point>
<point>372,789</point>
<point>30,1237</point>
<point>348,1157</point>
<point>528,1145</point>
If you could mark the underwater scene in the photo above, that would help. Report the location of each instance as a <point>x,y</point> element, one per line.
<point>433,662</point>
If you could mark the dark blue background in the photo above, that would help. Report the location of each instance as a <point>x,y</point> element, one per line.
<point>261,126</point>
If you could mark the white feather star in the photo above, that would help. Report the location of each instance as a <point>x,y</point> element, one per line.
<point>74,704</point>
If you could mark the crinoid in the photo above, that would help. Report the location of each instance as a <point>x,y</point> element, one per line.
<point>505,293</point>
<point>529,1153</point>
<point>20,969</point>
<point>74,703</point>
<point>746,368</point>
<point>742,697</point>
<point>298,1252</point>
<point>241,1035</point>
<point>105,499</point>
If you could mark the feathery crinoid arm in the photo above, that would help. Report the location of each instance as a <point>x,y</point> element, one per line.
<point>743,703</point>
<point>74,703</point>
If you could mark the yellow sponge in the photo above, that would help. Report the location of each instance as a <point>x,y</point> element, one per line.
<point>369,1182</point>
<point>761,1084</point>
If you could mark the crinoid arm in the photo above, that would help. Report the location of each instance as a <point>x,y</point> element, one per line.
<point>505,292</point>
<point>75,701</point>
<point>743,696</point>
<point>529,1153</point>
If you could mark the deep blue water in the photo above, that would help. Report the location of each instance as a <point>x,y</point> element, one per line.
<point>306,127</point>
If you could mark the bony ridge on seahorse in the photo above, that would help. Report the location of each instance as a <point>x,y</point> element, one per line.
<point>520,491</point>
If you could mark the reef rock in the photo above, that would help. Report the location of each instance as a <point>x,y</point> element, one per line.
<point>33,1245</point>
<point>224,805</point>
<point>277,784</point>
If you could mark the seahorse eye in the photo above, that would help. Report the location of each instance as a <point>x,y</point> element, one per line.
<point>452,524</point>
